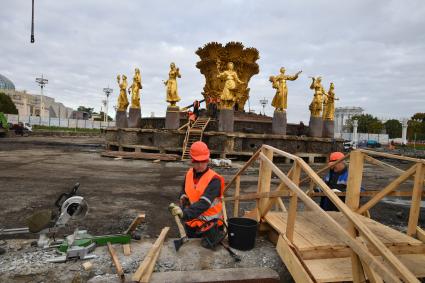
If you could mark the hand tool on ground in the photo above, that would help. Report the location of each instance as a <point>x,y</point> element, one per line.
<point>232,253</point>
<point>183,237</point>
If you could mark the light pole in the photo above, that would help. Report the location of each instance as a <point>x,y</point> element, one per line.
<point>41,82</point>
<point>264,102</point>
<point>107,92</point>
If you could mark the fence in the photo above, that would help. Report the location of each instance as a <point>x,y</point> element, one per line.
<point>59,122</point>
<point>381,138</point>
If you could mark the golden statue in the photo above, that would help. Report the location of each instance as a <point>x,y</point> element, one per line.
<point>280,100</point>
<point>244,63</point>
<point>135,88</point>
<point>329,104</point>
<point>122,98</point>
<point>317,103</point>
<point>230,77</point>
<point>171,84</point>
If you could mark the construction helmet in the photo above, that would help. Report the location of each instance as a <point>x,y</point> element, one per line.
<point>336,156</point>
<point>199,151</point>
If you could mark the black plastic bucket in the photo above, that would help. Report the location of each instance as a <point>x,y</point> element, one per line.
<point>242,233</point>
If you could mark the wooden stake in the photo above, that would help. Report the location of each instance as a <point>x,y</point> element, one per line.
<point>237,190</point>
<point>126,249</point>
<point>264,178</point>
<point>292,211</point>
<point>136,222</point>
<point>116,262</point>
<point>416,199</point>
<point>144,272</point>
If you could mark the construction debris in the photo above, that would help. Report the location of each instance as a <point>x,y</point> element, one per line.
<point>140,155</point>
<point>116,262</point>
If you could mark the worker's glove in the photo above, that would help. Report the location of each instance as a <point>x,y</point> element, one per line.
<point>175,210</point>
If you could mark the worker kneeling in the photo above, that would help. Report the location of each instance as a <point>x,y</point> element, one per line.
<point>201,199</point>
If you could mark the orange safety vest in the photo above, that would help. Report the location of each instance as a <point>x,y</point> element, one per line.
<point>195,191</point>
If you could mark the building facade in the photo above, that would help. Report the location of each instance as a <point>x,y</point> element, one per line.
<point>342,114</point>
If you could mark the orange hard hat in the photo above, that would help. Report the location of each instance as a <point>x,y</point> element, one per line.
<point>199,151</point>
<point>336,156</point>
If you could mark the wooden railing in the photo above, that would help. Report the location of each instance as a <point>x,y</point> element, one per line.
<point>363,261</point>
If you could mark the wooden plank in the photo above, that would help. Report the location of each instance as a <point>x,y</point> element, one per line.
<point>126,249</point>
<point>382,164</point>
<point>292,263</point>
<point>343,235</point>
<point>293,204</point>
<point>415,206</point>
<point>389,188</point>
<point>116,262</point>
<point>237,191</point>
<point>146,266</point>
<point>240,171</point>
<point>369,194</point>
<point>354,182</point>
<point>281,204</point>
<point>140,155</point>
<point>420,234</point>
<point>136,222</point>
<point>392,156</point>
<point>372,276</point>
<point>252,196</point>
<point>264,178</point>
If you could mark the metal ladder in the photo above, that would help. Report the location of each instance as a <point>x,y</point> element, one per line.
<point>194,133</point>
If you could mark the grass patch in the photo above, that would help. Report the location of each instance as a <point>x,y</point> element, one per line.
<point>63,129</point>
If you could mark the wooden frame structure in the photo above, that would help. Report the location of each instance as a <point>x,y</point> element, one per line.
<point>319,246</point>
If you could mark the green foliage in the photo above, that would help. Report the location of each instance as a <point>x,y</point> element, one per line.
<point>416,127</point>
<point>366,124</point>
<point>86,109</point>
<point>393,128</point>
<point>6,104</point>
<point>64,129</point>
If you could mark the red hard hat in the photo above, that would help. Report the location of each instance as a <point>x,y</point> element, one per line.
<point>336,156</point>
<point>199,151</point>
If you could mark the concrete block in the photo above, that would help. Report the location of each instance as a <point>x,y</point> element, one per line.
<point>172,118</point>
<point>121,119</point>
<point>134,118</point>
<point>315,127</point>
<point>328,128</point>
<point>226,120</point>
<point>279,123</point>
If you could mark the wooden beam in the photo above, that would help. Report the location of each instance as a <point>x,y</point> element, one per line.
<point>415,206</point>
<point>264,178</point>
<point>354,182</point>
<point>224,211</point>
<point>281,152</point>
<point>293,204</point>
<point>392,156</point>
<point>389,188</point>
<point>281,204</point>
<point>420,234</point>
<point>116,262</point>
<point>369,194</point>
<point>372,276</point>
<point>136,222</point>
<point>292,262</point>
<point>240,171</point>
<point>364,254</point>
<point>145,269</point>
<point>237,191</point>
<point>252,196</point>
<point>382,164</point>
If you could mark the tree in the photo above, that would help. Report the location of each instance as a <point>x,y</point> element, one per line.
<point>366,124</point>
<point>86,109</point>
<point>393,128</point>
<point>6,104</point>
<point>416,127</point>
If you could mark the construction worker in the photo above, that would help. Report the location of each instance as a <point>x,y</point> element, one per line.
<point>336,179</point>
<point>201,199</point>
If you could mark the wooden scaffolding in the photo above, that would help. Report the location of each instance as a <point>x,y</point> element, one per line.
<point>347,245</point>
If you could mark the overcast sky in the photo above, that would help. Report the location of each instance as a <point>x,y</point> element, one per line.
<point>374,51</point>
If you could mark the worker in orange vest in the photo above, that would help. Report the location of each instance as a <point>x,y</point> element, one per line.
<point>201,199</point>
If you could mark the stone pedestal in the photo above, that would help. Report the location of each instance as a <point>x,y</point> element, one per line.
<point>328,129</point>
<point>172,118</point>
<point>279,123</point>
<point>134,118</point>
<point>315,127</point>
<point>225,120</point>
<point>121,119</point>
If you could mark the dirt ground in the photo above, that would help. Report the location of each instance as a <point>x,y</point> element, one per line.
<point>36,170</point>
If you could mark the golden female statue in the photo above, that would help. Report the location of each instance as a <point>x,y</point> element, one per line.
<point>317,103</point>
<point>230,77</point>
<point>280,100</point>
<point>171,84</point>
<point>329,104</point>
<point>135,88</point>
<point>122,98</point>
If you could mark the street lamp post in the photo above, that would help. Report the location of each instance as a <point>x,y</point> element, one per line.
<point>107,92</point>
<point>41,82</point>
<point>264,102</point>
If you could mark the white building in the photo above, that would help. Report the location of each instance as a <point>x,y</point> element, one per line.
<point>342,114</point>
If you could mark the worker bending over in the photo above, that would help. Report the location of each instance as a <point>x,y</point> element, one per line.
<point>201,199</point>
